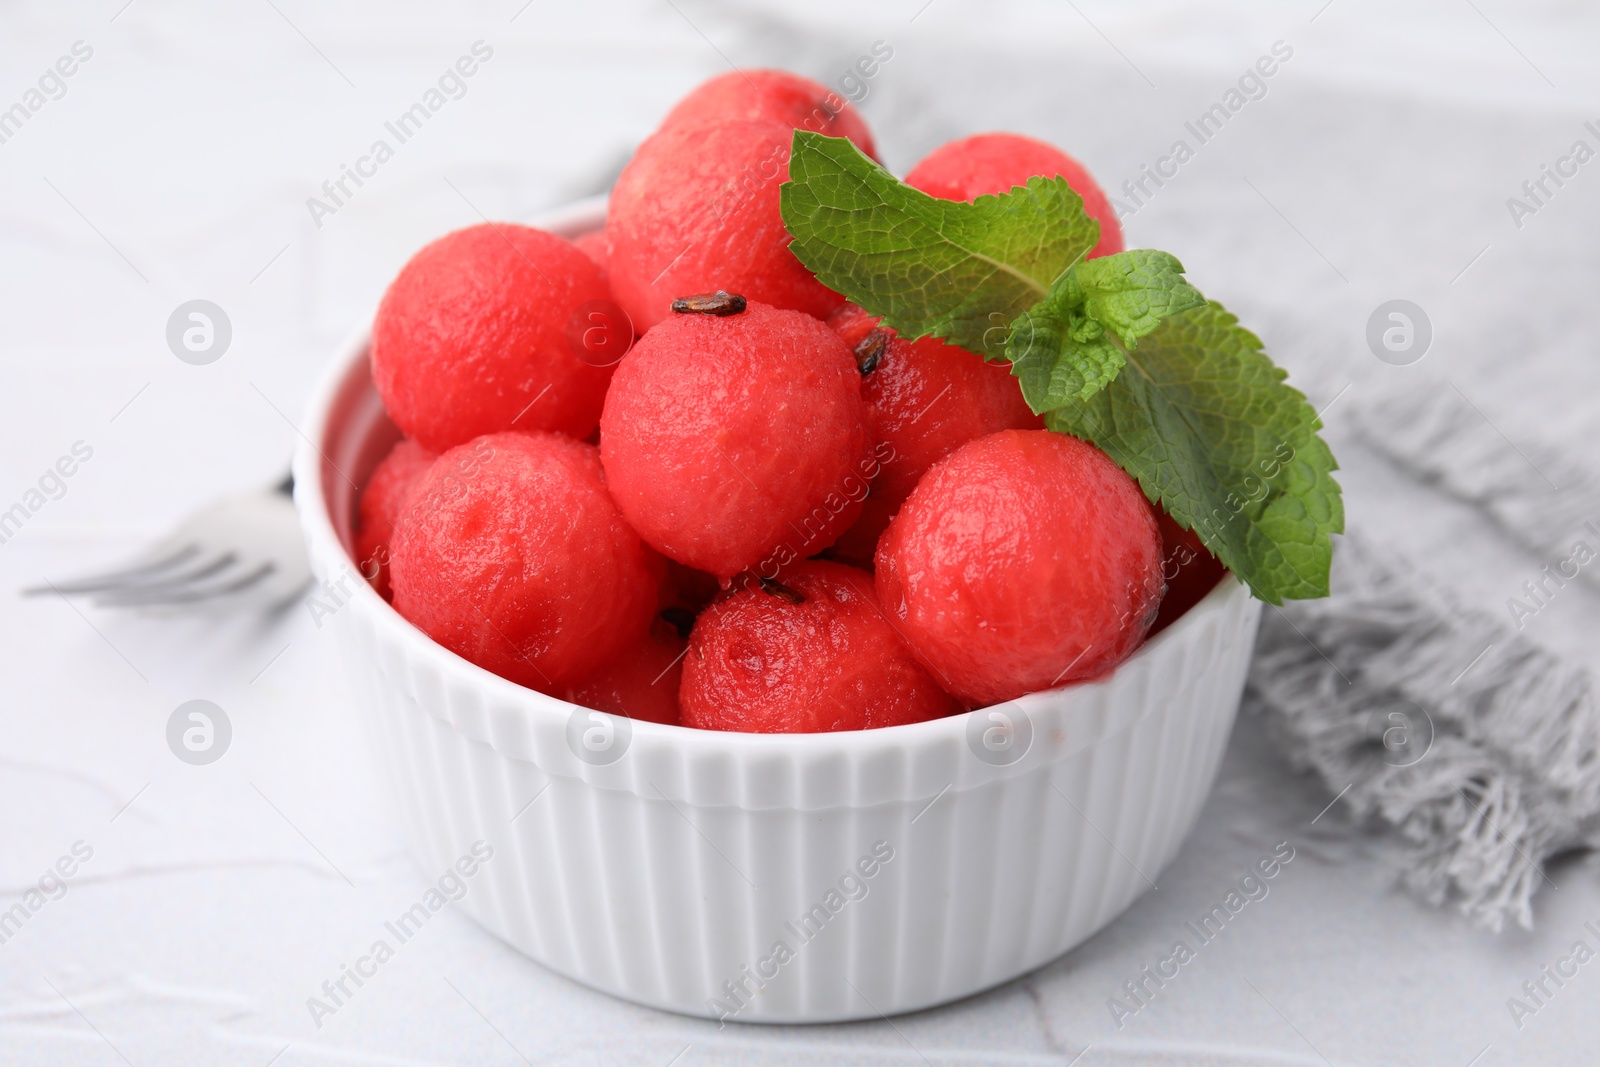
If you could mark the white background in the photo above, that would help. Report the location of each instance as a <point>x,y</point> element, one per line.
<point>177,166</point>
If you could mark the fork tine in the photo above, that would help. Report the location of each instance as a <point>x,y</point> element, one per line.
<point>208,567</point>
<point>213,566</point>
<point>183,594</point>
<point>94,583</point>
<point>237,550</point>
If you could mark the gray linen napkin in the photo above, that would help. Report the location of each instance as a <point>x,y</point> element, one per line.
<point>1488,768</point>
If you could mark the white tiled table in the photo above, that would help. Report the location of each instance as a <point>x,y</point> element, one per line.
<point>177,165</point>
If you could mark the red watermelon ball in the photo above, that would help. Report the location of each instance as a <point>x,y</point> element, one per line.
<point>473,337</point>
<point>925,399</point>
<point>739,441</point>
<point>776,96</point>
<point>987,164</point>
<point>1024,560</point>
<point>513,555</point>
<point>1190,571</point>
<point>696,210</point>
<point>594,245</point>
<point>387,493</point>
<point>813,655</point>
<point>640,683</point>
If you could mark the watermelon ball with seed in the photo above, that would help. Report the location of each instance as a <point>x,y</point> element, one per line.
<point>737,440</point>
<point>1022,561</point>
<point>773,95</point>
<point>696,210</point>
<point>387,493</point>
<point>988,164</point>
<point>472,337</point>
<point>513,555</point>
<point>815,653</point>
<point>925,399</point>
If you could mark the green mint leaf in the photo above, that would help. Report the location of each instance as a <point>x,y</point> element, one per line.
<point>929,266</point>
<point>1060,355</point>
<point>1120,350</point>
<point>1202,418</point>
<point>1131,292</point>
<point>1060,349</point>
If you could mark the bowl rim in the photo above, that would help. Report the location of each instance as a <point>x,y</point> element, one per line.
<point>321,532</point>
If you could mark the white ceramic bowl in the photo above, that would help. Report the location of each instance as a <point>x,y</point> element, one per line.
<point>787,878</point>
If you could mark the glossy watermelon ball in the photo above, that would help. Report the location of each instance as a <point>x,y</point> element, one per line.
<point>385,497</point>
<point>815,653</point>
<point>472,337</point>
<point>696,210</point>
<point>641,682</point>
<point>925,399</point>
<point>513,555</point>
<point>776,96</point>
<point>1189,570</point>
<point>737,441</point>
<point>1022,561</point>
<point>988,164</point>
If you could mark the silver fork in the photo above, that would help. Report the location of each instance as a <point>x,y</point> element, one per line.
<point>243,551</point>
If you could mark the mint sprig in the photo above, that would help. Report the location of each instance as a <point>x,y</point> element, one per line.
<point>1066,346</point>
<point>1202,419</point>
<point>929,266</point>
<point>1120,350</point>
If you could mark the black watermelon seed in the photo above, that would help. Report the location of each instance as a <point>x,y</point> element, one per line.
<point>720,302</point>
<point>781,591</point>
<point>870,349</point>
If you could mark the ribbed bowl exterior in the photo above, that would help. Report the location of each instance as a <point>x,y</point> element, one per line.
<point>794,878</point>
